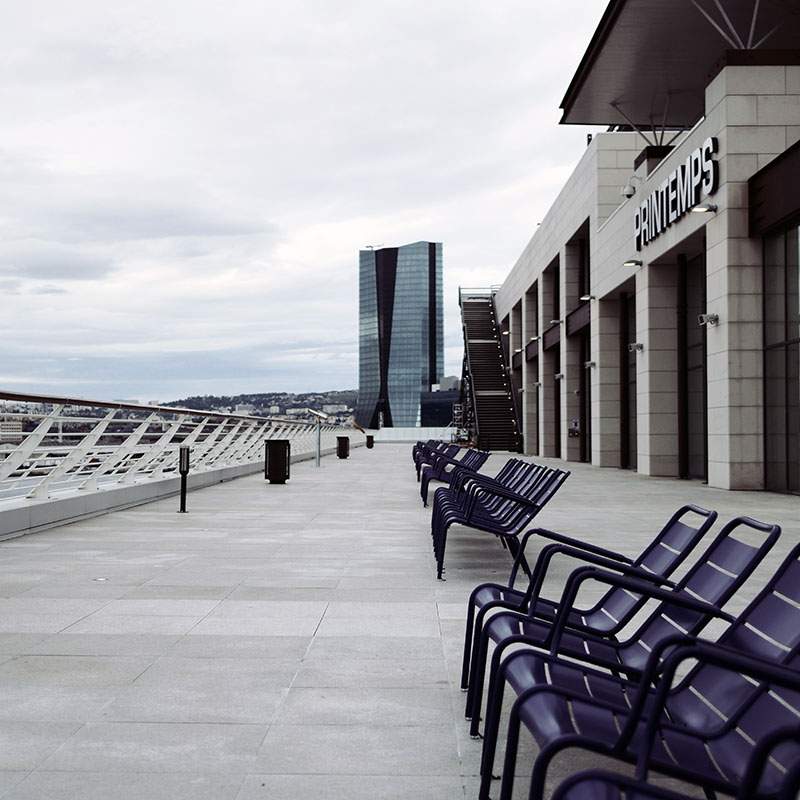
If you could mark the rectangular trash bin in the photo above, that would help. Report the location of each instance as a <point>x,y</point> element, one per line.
<point>370,441</point>
<point>277,458</point>
<point>343,446</point>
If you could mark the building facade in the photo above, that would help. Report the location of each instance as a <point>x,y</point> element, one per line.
<point>401,332</point>
<point>654,318</point>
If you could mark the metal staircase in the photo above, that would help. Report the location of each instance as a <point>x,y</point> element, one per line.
<point>486,388</point>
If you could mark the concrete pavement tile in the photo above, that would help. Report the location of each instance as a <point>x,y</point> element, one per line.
<point>120,786</point>
<point>104,644</point>
<point>359,750</point>
<point>356,645</point>
<point>152,747</point>
<point>350,787</point>
<point>89,671</point>
<point>114,624</point>
<point>372,672</point>
<point>371,706</point>
<point>24,745</point>
<point>231,646</point>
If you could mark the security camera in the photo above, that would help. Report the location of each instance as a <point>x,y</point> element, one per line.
<point>707,319</point>
<point>628,190</point>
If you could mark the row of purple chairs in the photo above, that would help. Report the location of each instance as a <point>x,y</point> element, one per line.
<point>578,681</point>
<point>503,505</point>
<point>444,469</point>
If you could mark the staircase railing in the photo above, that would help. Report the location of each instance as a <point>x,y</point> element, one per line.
<point>509,373</point>
<point>467,375</point>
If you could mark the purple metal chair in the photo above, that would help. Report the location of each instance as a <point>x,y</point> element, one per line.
<point>698,597</point>
<point>704,728</point>
<point>668,550</point>
<point>421,446</point>
<point>515,475</point>
<point>444,469</point>
<point>454,501</point>
<point>599,784</point>
<point>496,510</point>
<point>428,455</point>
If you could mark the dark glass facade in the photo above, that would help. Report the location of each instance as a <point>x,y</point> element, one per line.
<point>782,359</point>
<point>401,332</point>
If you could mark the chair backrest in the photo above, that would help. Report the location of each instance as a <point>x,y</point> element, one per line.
<point>769,628</point>
<point>739,715</point>
<point>722,569</point>
<point>670,548</point>
<point>539,494</point>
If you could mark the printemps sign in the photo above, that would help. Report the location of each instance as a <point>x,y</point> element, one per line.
<point>680,192</point>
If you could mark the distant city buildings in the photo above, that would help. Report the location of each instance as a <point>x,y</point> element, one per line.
<point>401,332</point>
<point>11,430</point>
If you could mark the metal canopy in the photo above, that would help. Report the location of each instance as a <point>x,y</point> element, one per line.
<point>649,61</point>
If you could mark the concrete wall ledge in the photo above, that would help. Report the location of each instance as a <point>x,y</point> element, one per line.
<point>19,518</point>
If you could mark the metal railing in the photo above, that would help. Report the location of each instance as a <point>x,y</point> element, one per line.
<point>57,446</point>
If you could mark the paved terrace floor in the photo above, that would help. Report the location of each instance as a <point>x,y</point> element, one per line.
<point>281,642</point>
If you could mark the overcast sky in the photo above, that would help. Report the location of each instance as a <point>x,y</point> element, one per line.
<point>184,186</point>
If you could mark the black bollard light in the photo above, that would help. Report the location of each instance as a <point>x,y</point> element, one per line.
<point>183,468</point>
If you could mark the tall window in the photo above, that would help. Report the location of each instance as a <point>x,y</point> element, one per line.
<point>782,360</point>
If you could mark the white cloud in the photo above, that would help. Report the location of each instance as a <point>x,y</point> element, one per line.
<point>184,186</point>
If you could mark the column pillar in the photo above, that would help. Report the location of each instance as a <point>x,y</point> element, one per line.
<point>606,380</point>
<point>735,353</point>
<point>657,369</point>
<point>547,367</point>
<point>571,364</point>
<point>530,375</point>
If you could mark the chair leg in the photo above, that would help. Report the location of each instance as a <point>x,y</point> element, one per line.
<point>475,696</point>
<point>491,727</point>
<point>514,547</point>
<point>467,644</point>
<point>440,555</point>
<point>475,655</point>
<point>510,762</point>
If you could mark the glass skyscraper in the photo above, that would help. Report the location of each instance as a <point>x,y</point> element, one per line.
<point>401,332</point>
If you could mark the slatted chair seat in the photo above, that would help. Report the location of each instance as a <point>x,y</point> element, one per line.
<point>714,578</point>
<point>602,784</point>
<point>665,553</point>
<point>705,727</point>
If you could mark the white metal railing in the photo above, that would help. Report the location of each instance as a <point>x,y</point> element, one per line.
<point>56,446</point>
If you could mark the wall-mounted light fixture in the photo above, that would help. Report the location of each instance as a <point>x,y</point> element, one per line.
<point>585,298</point>
<point>589,364</point>
<point>635,347</point>
<point>555,321</point>
<point>708,319</point>
<point>632,262</point>
<point>518,350</point>
<point>537,384</point>
<point>704,208</point>
<point>558,376</point>
<point>534,339</point>
<point>506,333</point>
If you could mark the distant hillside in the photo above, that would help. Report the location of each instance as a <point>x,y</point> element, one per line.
<point>261,401</point>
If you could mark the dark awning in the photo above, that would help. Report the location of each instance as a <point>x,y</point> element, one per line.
<point>653,58</point>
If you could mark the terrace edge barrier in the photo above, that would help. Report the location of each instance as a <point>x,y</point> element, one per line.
<point>77,458</point>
